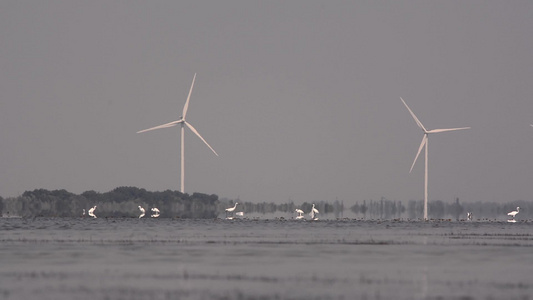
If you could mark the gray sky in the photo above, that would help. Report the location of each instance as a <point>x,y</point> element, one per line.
<point>301,99</point>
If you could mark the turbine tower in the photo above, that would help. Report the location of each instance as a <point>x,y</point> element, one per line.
<point>183,123</point>
<point>425,143</point>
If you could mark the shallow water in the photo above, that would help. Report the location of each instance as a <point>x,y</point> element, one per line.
<point>264,259</point>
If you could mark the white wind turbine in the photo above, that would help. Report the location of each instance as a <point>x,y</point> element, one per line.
<point>183,123</point>
<point>425,143</point>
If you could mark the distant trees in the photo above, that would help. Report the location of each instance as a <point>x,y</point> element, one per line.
<point>383,209</point>
<point>391,209</point>
<point>457,210</point>
<point>120,202</point>
<point>437,209</point>
<point>124,202</point>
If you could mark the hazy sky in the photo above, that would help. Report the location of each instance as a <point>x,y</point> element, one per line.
<point>301,99</point>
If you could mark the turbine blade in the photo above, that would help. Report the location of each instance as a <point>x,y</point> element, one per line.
<point>414,116</point>
<point>424,139</point>
<point>161,126</point>
<point>196,132</point>
<point>186,107</point>
<point>445,130</point>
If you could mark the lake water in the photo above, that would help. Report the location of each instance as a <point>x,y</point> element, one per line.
<point>148,258</point>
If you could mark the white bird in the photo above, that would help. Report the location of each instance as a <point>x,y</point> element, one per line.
<point>514,212</point>
<point>469,215</point>
<point>183,123</point>
<point>300,213</point>
<point>83,214</point>
<point>231,209</point>
<point>91,212</point>
<point>425,143</point>
<point>313,213</point>
<point>156,212</point>
<point>142,211</point>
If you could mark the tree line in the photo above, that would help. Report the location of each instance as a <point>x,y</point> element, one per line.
<point>124,202</point>
<point>385,209</point>
<point>438,209</point>
<point>120,202</point>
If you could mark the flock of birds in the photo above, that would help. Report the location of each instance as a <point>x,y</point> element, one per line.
<point>155,212</point>
<point>313,213</point>
<point>300,213</point>
<point>512,214</point>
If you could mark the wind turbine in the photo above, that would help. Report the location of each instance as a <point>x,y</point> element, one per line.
<point>183,123</point>
<point>425,143</point>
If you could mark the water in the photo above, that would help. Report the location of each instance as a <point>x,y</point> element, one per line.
<point>264,259</point>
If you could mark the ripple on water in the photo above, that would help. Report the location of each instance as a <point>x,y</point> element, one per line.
<point>263,259</point>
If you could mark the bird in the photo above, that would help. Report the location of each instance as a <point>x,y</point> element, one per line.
<point>422,144</point>
<point>156,212</point>
<point>83,213</point>
<point>142,211</point>
<point>231,209</point>
<point>469,215</point>
<point>91,212</point>
<point>514,212</point>
<point>183,123</point>
<point>313,212</point>
<point>300,213</point>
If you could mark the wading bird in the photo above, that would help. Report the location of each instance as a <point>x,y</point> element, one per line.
<point>156,212</point>
<point>91,212</point>
<point>514,212</point>
<point>231,210</point>
<point>142,211</point>
<point>313,213</point>
<point>300,214</point>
